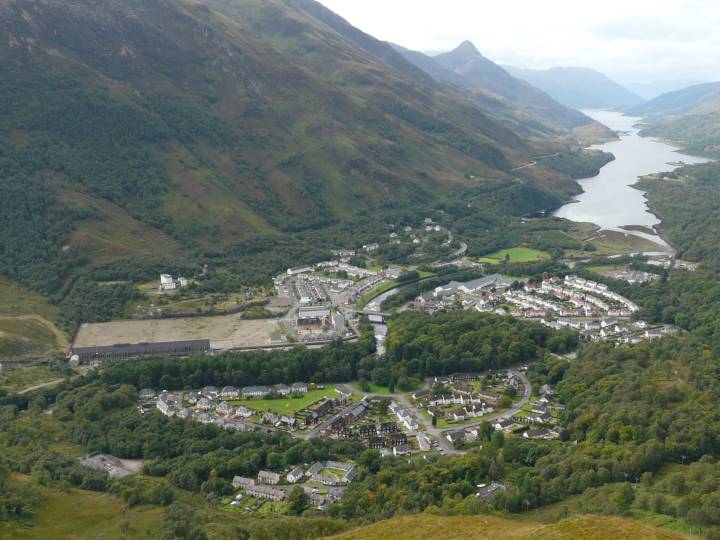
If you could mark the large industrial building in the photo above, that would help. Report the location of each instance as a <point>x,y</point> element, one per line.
<point>314,316</point>
<point>126,351</point>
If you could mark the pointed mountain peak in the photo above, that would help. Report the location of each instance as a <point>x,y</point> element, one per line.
<point>467,48</point>
<point>464,53</point>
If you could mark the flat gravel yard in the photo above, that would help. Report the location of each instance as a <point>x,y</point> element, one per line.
<point>223,331</point>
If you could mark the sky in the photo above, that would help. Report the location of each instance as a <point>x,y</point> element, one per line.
<point>632,41</point>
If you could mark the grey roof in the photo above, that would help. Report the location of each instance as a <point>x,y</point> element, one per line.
<point>145,349</point>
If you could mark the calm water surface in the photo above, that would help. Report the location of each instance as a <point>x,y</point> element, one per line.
<point>608,199</point>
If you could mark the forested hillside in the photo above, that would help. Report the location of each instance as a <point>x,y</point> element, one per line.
<point>690,117</point>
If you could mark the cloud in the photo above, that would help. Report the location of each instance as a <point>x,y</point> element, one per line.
<point>630,40</point>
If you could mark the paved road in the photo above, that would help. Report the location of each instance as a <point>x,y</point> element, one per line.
<point>512,411</point>
<point>537,160</point>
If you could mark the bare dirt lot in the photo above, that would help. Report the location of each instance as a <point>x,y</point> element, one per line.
<point>223,331</point>
<point>115,467</point>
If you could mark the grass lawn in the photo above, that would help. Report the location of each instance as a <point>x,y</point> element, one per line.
<point>377,389</point>
<point>374,293</point>
<point>372,388</point>
<point>27,324</point>
<point>516,254</point>
<point>289,405</point>
<point>605,268</point>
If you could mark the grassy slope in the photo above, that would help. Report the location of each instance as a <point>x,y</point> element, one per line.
<point>76,514</point>
<point>27,327</point>
<point>489,527</point>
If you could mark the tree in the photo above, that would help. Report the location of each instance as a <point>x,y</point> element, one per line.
<point>297,501</point>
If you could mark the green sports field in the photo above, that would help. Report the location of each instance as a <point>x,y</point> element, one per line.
<point>289,405</point>
<point>516,254</point>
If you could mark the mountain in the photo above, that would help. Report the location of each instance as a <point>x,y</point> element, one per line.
<point>690,117</point>
<point>651,90</point>
<point>578,87</point>
<point>693,99</point>
<point>473,71</point>
<point>151,127</point>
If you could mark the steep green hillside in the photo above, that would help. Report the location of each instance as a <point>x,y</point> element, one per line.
<point>690,117</point>
<point>683,101</point>
<point>164,126</point>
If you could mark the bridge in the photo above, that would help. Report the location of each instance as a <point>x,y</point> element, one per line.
<point>373,314</point>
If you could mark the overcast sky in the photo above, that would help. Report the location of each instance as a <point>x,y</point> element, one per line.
<point>629,40</point>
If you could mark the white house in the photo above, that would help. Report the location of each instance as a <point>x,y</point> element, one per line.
<point>295,475</point>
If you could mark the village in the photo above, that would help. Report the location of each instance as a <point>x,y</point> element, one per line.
<point>325,301</point>
<point>591,308</point>
<point>443,417</point>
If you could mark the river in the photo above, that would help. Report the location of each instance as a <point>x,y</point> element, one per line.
<point>608,199</point>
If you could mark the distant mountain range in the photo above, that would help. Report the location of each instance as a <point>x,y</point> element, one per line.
<point>578,87</point>
<point>651,90</point>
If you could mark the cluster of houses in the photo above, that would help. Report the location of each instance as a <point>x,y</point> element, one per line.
<point>540,417</point>
<point>586,306</point>
<point>174,404</point>
<point>378,436</point>
<point>211,405</point>
<point>571,297</point>
<point>332,474</point>
<point>310,291</point>
<point>459,401</point>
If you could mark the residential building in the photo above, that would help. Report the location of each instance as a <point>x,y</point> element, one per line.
<point>265,492</point>
<point>255,392</point>
<point>242,482</point>
<point>295,475</point>
<point>229,392</point>
<point>268,477</point>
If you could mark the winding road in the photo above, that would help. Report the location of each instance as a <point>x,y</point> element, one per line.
<point>438,434</point>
